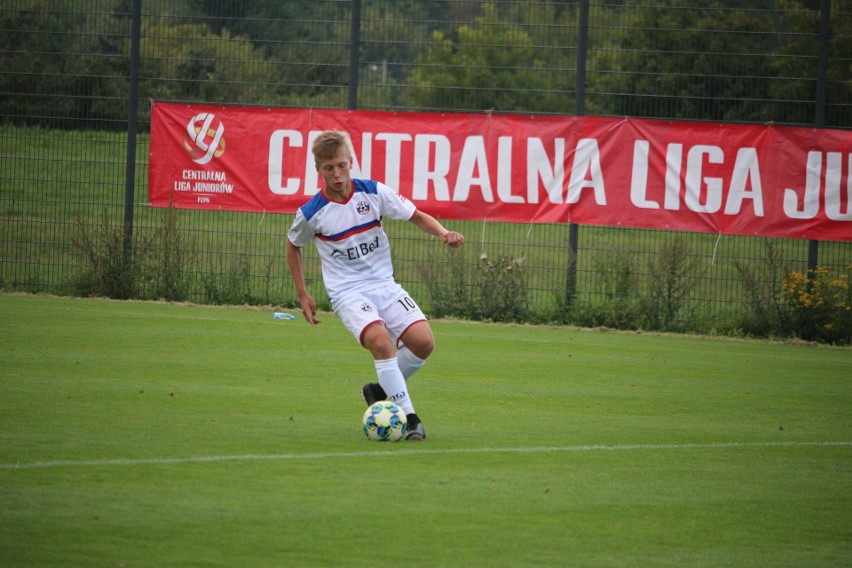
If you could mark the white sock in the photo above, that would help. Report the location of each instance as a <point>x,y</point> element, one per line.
<point>393,383</point>
<point>408,362</point>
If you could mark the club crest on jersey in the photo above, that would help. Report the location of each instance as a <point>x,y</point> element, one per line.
<point>365,307</point>
<point>362,207</point>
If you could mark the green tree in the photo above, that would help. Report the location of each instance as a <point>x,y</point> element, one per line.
<point>191,62</point>
<point>683,59</point>
<point>61,66</point>
<point>714,60</point>
<point>391,33</point>
<point>491,64</point>
<point>796,66</point>
<point>306,44</point>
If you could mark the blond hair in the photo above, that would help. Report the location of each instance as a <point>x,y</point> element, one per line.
<point>328,145</point>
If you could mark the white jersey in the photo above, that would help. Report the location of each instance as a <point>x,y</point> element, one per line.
<point>353,247</point>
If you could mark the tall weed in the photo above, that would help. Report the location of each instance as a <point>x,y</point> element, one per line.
<point>446,279</point>
<point>502,289</point>
<point>108,270</point>
<point>169,260</point>
<point>770,311</point>
<point>672,274</point>
<point>617,305</point>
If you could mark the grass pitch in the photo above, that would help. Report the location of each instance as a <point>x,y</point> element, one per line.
<point>141,434</point>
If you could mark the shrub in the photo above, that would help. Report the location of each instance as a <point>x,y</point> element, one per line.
<point>110,269</point>
<point>617,280</point>
<point>447,282</point>
<point>502,288</point>
<point>229,284</point>
<point>169,259</point>
<point>671,277</point>
<point>821,305</point>
<point>769,309</point>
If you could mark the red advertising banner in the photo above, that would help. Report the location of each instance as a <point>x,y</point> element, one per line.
<point>691,176</point>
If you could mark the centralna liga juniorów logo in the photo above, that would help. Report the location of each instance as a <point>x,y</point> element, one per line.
<point>204,141</point>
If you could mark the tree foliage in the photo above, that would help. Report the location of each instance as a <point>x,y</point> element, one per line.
<point>202,65</point>
<point>715,60</point>
<point>43,76</point>
<point>491,64</point>
<point>66,64</point>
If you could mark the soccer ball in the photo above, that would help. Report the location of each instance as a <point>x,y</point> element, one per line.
<point>385,422</point>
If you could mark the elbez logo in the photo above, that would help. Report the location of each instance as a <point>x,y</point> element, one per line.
<point>203,141</point>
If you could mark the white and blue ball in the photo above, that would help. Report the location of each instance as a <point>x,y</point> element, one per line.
<point>384,421</point>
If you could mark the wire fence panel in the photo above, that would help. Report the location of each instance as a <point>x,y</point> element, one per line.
<point>64,90</point>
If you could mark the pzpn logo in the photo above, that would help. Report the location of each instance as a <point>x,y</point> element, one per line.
<point>204,142</point>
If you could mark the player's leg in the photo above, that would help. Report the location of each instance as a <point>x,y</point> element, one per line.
<point>409,327</point>
<point>414,334</point>
<point>410,332</point>
<point>360,315</point>
<point>417,344</point>
<point>377,340</point>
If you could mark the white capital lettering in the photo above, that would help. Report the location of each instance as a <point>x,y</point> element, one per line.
<point>674,160</point>
<point>424,172</point>
<point>504,171</point>
<point>311,174</point>
<point>694,165</point>
<point>746,172</point>
<point>810,204</point>
<point>363,168</point>
<point>587,158</point>
<point>393,155</point>
<point>275,169</point>
<point>833,197</point>
<point>539,167</point>
<point>473,159</point>
<point>639,180</point>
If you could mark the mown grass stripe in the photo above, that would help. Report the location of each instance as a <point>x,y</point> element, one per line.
<point>386,453</point>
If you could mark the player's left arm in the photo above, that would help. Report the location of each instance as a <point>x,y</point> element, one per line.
<point>430,225</point>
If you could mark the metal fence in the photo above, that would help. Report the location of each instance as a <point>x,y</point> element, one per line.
<point>73,143</point>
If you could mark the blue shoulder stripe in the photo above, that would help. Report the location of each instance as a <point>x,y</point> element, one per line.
<point>365,186</point>
<point>313,206</point>
<point>317,202</point>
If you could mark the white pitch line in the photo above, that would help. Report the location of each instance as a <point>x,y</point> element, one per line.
<point>401,453</point>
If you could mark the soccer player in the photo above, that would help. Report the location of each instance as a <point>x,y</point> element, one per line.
<point>345,222</point>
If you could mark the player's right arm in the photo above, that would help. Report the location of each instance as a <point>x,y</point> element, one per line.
<point>297,270</point>
<point>430,225</point>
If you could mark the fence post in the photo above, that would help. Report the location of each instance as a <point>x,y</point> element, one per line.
<point>582,48</point>
<point>354,48</point>
<point>819,111</point>
<point>130,167</point>
<point>579,110</point>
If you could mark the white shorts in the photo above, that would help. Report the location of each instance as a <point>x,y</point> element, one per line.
<point>389,304</point>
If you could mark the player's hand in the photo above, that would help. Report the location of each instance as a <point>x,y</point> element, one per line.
<point>453,239</point>
<point>309,309</point>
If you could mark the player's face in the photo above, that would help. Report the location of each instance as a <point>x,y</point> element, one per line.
<point>335,174</point>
